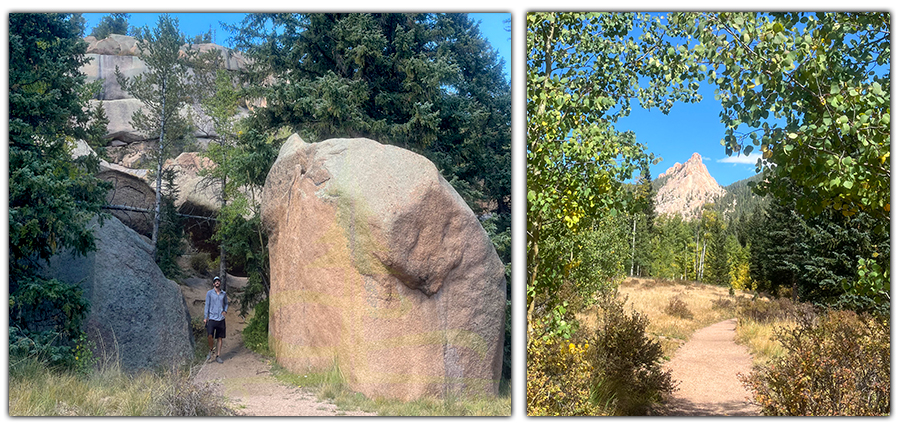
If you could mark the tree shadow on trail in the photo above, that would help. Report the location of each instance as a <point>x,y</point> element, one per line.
<point>684,407</point>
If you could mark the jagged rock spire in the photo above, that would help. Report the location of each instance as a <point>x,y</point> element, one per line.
<point>686,187</point>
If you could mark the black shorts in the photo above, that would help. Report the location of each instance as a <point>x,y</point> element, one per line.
<point>215,328</point>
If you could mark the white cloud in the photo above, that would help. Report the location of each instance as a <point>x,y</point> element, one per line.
<point>739,158</point>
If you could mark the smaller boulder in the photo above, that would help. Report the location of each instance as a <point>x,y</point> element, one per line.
<point>136,313</point>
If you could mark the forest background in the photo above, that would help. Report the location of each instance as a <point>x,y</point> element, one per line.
<point>519,423</point>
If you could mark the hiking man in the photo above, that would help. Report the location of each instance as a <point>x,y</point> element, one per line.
<point>214,317</point>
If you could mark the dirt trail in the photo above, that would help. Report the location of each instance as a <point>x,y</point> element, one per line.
<point>706,369</point>
<point>243,377</point>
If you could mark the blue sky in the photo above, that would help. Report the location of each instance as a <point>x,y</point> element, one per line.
<point>689,128</point>
<point>492,26</point>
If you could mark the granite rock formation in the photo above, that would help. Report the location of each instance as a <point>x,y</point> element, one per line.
<point>686,188</point>
<point>136,313</point>
<point>379,266</point>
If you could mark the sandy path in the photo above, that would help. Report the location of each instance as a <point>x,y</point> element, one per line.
<point>251,390</point>
<point>706,369</point>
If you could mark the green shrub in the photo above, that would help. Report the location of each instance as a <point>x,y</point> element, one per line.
<point>678,308</point>
<point>835,364</point>
<point>200,262</point>
<point>559,378</point>
<point>628,364</point>
<point>256,333</point>
<point>612,370</point>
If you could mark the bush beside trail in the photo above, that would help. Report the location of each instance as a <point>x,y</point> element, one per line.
<point>836,363</point>
<point>609,368</point>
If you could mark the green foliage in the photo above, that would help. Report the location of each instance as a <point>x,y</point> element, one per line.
<point>593,263</point>
<point>427,82</point>
<point>673,248</point>
<point>112,23</point>
<point>52,197</point>
<point>163,89</point>
<point>38,346</point>
<point>170,241</point>
<point>830,259</point>
<point>203,38</point>
<point>200,262</point>
<point>628,363</point>
<point>815,91</point>
<point>559,379</point>
<point>837,364</point>
<point>256,332</point>
<point>583,70</point>
<point>738,263</point>
<point>613,370</point>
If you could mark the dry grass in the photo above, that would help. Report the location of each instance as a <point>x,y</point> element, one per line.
<point>760,338</point>
<point>331,386</point>
<point>706,303</point>
<point>35,390</point>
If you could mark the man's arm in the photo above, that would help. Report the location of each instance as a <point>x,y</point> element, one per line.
<point>225,297</point>
<point>206,307</point>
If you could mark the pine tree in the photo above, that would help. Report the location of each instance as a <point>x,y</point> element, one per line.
<point>52,198</point>
<point>112,23</point>
<point>164,91</point>
<point>426,82</point>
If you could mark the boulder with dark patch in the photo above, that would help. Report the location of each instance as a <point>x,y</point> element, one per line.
<point>136,312</point>
<point>379,267</point>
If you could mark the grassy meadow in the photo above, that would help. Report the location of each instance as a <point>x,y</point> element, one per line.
<point>678,308</point>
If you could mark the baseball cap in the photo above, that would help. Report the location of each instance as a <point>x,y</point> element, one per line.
<point>217,278</point>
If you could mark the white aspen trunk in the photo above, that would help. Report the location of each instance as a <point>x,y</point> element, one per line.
<point>159,162</point>
<point>702,260</point>
<point>633,234</point>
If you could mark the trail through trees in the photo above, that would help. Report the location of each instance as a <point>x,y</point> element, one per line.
<point>706,370</point>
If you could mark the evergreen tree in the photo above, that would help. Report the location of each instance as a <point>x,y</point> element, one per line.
<point>112,23</point>
<point>426,82</point>
<point>52,198</point>
<point>170,244</point>
<point>778,257</point>
<point>164,91</point>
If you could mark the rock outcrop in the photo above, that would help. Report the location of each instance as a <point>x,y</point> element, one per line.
<point>686,188</point>
<point>126,145</point>
<point>129,190</point>
<point>380,267</point>
<point>121,51</point>
<point>136,312</point>
<point>196,195</point>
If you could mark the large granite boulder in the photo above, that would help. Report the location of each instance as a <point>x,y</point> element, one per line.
<point>131,190</point>
<point>380,267</point>
<point>197,195</point>
<point>120,112</point>
<point>136,312</point>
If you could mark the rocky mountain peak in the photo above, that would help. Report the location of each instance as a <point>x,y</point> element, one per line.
<point>686,188</point>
